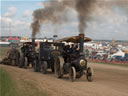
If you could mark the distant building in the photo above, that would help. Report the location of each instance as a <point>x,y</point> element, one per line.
<point>4,44</point>
<point>13,40</point>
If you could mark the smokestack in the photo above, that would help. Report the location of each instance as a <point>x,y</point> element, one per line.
<point>33,44</point>
<point>81,43</point>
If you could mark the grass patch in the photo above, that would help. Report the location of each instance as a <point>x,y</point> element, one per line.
<point>3,51</point>
<point>7,85</point>
<point>122,65</point>
<point>10,86</point>
<point>30,88</point>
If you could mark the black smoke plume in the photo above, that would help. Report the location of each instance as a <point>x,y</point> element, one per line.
<point>54,11</point>
<point>83,7</point>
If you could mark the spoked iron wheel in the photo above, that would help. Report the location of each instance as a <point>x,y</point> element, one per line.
<point>26,63</point>
<point>13,62</point>
<point>17,61</point>
<point>22,61</point>
<point>44,67</point>
<point>72,74</point>
<point>90,74</point>
<point>59,67</point>
<point>17,58</point>
<point>35,66</point>
<point>52,67</point>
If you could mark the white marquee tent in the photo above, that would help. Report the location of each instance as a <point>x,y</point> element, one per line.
<point>119,53</point>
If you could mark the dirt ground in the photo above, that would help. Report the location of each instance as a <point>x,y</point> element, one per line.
<point>109,80</point>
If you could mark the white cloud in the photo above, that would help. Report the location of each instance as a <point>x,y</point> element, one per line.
<point>11,12</point>
<point>27,13</point>
<point>40,4</point>
<point>18,27</point>
<point>6,20</point>
<point>107,13</point>
<point>19,22</point>
<point>14,22</point>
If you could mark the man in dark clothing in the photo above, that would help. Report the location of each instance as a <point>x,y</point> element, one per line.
<point>25,48</point>
<point>66,53</point>
<point>72,49</point>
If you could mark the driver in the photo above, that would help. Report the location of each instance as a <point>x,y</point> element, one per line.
<point>25,46</point>
<point>72,49</point>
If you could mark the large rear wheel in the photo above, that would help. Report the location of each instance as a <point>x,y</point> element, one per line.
<point>90,74</point>
<point>72,74</point>
<point>59,62</point>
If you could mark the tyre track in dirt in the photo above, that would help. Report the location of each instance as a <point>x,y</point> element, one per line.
<point>108,81</point>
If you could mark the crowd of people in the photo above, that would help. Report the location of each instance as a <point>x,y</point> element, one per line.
<point>73,49</point>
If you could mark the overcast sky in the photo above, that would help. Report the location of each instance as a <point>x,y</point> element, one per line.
<point>108,21</point>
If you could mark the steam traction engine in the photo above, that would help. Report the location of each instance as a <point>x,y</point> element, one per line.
<point>75,64</point>
<point>12,56</point>
<point>45,58</point>
<point>28,54</point>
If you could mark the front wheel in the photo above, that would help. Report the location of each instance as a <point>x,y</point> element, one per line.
<point>13,62</point>
<point>22,59</point>
<point>35,66</point>
<point>26,63</point>
<point>17,61</point>
<point>72,74</point>
<point>17,58</point>
<point>44,67</point>
<point>90,74</point>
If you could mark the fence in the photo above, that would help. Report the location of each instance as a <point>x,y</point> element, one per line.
<point>111,62</point>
